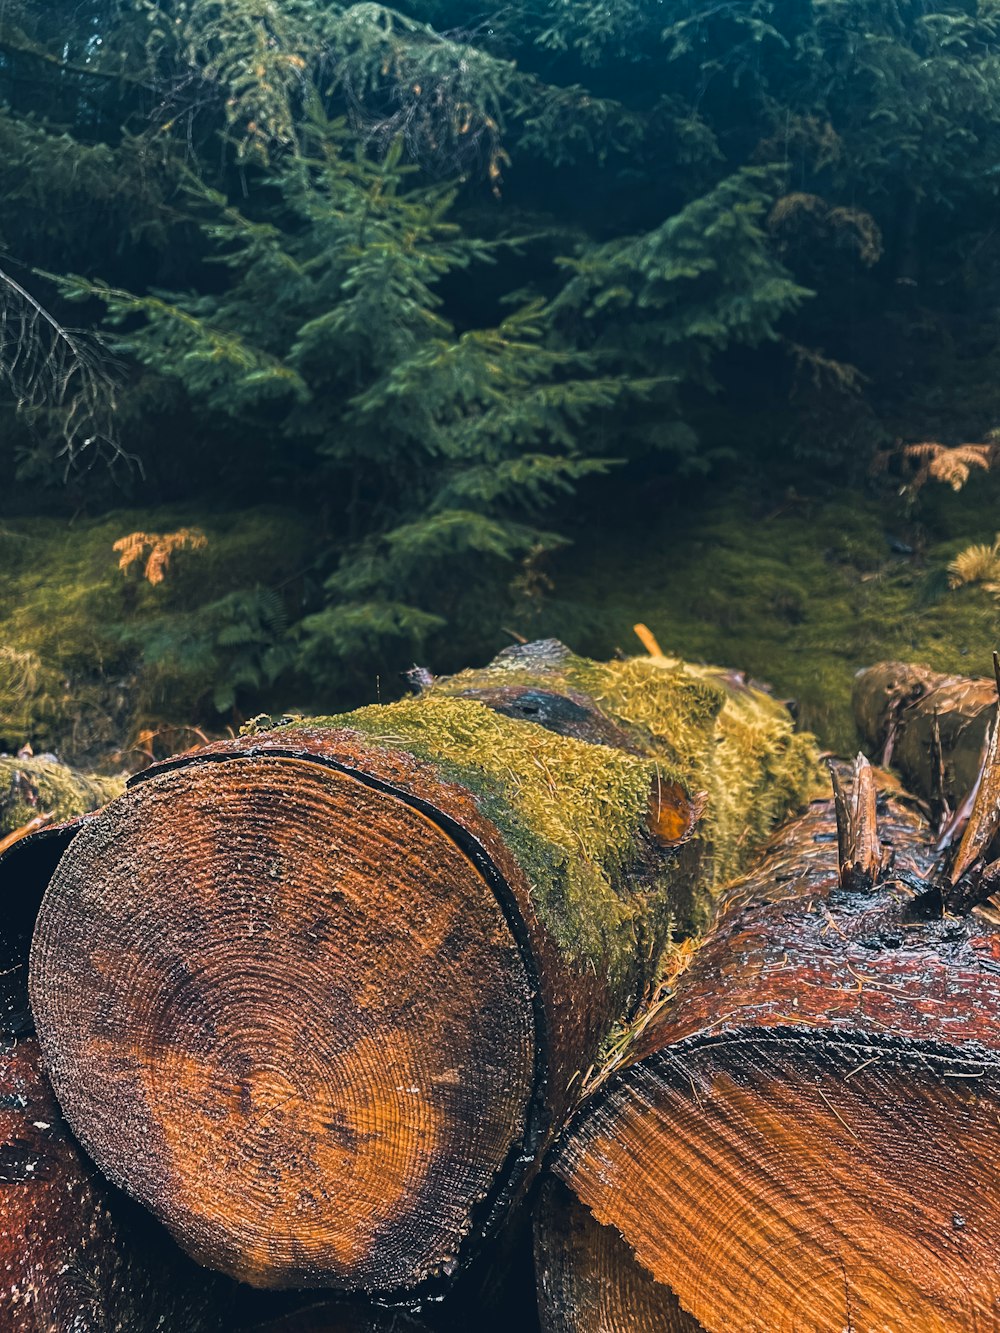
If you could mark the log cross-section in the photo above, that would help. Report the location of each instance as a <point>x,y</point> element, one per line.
<point>338,997</point>
<point>806,1136</point>
<point>321,996</point>
<point>74,1255</point>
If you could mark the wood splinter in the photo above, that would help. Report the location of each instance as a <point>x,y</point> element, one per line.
<point>863,858</point>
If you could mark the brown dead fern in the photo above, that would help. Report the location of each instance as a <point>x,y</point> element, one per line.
<point>950,464</point>
<point>132,549</point>
<point>853,228</point>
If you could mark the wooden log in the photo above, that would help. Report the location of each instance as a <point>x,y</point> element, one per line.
<point>321,996</point>
<point>73,1255</point>
<point>929,726</point>
<point>589,1280</point>
<point>807,1133</point>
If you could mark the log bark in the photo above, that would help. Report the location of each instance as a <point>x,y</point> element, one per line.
<point>320,997</point>
<point>589,1280</point>
<point>929,726</point>
<point>73,1256</point>
<point>806,1134</point>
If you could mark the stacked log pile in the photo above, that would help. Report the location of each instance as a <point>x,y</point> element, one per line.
<point>360,965</point>
<point>325,999</point>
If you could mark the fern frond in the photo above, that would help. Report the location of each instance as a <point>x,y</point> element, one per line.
<point>161,546</point>
<point>950,464</point>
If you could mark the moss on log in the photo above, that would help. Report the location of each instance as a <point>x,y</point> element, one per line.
<point>805,1135</point>
<point>589,1280</point>
<point>322,995</point>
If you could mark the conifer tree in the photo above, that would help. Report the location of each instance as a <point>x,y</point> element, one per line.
<point>422,265</point>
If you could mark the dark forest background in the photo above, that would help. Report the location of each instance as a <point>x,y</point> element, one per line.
<point>367,325</point>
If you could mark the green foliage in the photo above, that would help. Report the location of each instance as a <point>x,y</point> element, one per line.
<point>426,276</point>
<point>446,440</point>
<point>665,303</point>
<point>90,656</point>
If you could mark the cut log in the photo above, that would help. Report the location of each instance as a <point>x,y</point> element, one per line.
<point>72,1257</point>
<point>807,1134</point>
<point>589,1280</point>
<point>321,996</point>
<point>930,727</point>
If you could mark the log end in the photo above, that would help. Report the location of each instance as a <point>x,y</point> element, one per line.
<point>807,1137</point>
<point>285,1011</point>
<point>588,1278</point>
<point>780,1188</point>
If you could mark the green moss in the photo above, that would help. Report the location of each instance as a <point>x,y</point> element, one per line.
<point>801,594</point>
<point>700,725</point>
<point>573,812</point>
<point>568,810</point>
<point>31,787</point>
<point>88,654</point>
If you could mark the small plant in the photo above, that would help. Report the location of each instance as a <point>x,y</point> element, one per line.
<point>250,643</point>
<point>978,563</point>
<point>950,464</point>
<point>160,547</point>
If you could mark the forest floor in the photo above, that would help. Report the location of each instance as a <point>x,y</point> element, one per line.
<point>800,591</point>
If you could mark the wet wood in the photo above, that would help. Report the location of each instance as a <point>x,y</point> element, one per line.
<point>808,1134</point>
<point>932,728</point>
<point>74,1255</point>
<point>314,1000</point>
<point>589,1280</point>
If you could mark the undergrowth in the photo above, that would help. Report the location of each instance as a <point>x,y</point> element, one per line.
<point>90,656</point>
<point>799,591</point>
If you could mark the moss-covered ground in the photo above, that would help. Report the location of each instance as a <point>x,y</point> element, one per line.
<point>799,591</point>
<point>91,655</point>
